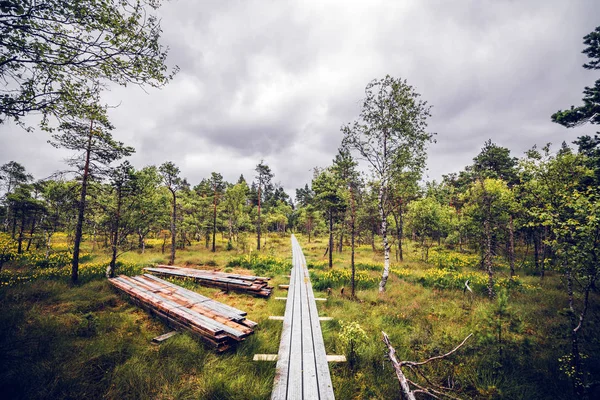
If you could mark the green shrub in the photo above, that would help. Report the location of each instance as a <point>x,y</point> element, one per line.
<point>261,264</point>
<point>341,277</point>
<point>87,272</point>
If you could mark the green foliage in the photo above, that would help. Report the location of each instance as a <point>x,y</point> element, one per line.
<point>53,51</point>
<point>328,193</point>
<point>450,279</point>
<point>353,339</point>
<point>368,267</point>
<point>429,220</point>
<point>453,261</point>
<point>89,271</point>
<point>501,330</point>
<point>495,162</point>
<point>590,110</point>
<point>336,278</point>
<point>390,131</point>
<point>320,265</point>
<point>261,264</point>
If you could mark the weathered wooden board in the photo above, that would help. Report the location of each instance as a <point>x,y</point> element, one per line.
<point>215,323</point>
<point>254,285</point>
<point>162,338</point>
<point>301,371</point>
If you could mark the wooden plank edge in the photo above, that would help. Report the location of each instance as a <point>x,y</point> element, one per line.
<point>162,338</point>
<point>334,358</point>
<point>265,357</point>
<point>281,318</point>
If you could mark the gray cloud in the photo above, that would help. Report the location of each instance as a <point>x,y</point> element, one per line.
<point>275,80</point>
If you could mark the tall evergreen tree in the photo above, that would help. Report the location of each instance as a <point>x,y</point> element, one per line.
<point>218,186</point>
<point>87,131</point>
<point>172,181</point>
<point>264,188</point>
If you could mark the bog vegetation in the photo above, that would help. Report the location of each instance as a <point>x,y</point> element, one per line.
<point>471,254</point>
<point>506,250</point>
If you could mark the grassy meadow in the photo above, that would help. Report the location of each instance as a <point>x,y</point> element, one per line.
<point>58,341</point>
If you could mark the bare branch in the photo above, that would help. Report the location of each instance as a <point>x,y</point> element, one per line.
<point>404,386</point>
<point>436,357</point>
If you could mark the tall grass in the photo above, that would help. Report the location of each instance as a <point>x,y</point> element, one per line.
<point>58,341</point>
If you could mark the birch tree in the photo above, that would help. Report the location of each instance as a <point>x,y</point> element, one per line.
<point>390,135</point>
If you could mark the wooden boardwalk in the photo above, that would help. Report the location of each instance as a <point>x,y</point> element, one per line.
<point>302,370</point>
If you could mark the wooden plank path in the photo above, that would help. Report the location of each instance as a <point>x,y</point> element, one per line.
<point>302,371</point>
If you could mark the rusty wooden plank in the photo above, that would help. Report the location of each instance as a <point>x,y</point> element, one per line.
<point>182,308</point>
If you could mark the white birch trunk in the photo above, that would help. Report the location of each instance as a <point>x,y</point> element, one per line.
<point>386,246</point>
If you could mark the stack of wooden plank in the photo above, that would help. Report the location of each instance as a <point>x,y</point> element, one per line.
<point>215,323</point>
<point>254,285</point>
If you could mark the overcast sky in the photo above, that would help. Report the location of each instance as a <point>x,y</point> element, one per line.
<point>275,80</point>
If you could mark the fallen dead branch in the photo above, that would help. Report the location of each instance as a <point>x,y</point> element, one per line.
<point>405,383</point>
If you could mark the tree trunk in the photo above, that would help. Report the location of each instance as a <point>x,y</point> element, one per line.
<point>543,248</point>
<point>48,239</point>
<point>511,246</point>
<point>460,236</point>
<point>575,354</point>
<point>20,237</point>
<point>386,246</point>
<point>141,241</point>
<point>173,233</point>
<point>81,209</point>
<point>482,251</point>
<point>258,227</point>
<point>353,234</point>
<point>536,250</point>
<point>14,227</point>
<point>373,240</point>
<point>488,258</point>
<point>330,238</point>
<point>399,220</point>
<point>214,230</point>
<point>31,232</point>
<point>94,238</point>
<point>110,271</point>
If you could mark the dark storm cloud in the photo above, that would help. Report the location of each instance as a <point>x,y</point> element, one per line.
<point>275,80</point>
